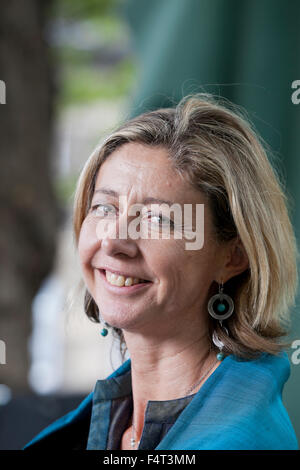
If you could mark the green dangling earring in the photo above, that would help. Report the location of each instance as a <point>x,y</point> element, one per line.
<point>104,330</point>
<point>217,342</point>
<point>220,356</point>
<point>220,307</point>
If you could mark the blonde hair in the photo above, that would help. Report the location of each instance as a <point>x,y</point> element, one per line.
<point>212,144</point>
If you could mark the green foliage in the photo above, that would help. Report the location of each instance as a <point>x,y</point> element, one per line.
<point>101,69</point>
<point>82,9</point>
<point>82,82</point>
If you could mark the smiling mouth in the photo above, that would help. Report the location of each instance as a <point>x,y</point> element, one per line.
<point>122,281</point>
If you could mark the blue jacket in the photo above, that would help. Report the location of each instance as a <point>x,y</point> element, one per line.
<point>239,407</point>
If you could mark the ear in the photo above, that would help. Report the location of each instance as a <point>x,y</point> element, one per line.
<point>236,260</point>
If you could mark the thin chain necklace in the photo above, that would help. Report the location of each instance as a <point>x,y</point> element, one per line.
<point>133,442</point>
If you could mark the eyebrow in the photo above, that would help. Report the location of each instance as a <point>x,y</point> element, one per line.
<point>147,200</point>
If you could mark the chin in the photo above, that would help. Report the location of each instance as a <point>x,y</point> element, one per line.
<point>118,317</point>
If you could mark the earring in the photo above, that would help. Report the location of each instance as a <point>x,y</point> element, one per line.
<point>105,325</point>
<point>220,306</point>
<point>217,342</point>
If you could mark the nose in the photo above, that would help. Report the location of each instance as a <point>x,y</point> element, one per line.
<point>117,241</point>
<point>115,246</point>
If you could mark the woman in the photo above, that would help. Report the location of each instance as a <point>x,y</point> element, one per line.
<point>202,323</point>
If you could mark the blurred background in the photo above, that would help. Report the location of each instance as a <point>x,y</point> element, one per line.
<point>73,70</point>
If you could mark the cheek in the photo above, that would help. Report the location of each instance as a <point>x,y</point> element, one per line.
<point>87,242</point>
<point>168,260</point>
<point>183,268</point>
<point>200,268</point>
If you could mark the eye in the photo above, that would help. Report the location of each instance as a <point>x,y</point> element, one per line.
<point>103,210</point>
<point>161,219</point>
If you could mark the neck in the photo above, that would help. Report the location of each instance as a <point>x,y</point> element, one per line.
<point>166,369</point>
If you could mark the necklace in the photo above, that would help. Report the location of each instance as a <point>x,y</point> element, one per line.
<point>133,442</point>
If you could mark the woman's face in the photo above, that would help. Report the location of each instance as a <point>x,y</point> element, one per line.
<point>179,278</point>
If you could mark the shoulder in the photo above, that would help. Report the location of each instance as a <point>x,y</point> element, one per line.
<point>266,373</point>
<point>241,406</point>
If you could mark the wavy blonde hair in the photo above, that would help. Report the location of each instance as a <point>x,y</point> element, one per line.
<point>215,146</point>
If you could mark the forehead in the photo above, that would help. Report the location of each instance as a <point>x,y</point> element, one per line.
<point>137,161</point>
<point>145,170</point>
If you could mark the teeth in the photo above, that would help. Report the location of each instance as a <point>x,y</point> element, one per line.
<point>128,281</point>
<point>121,281</point>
